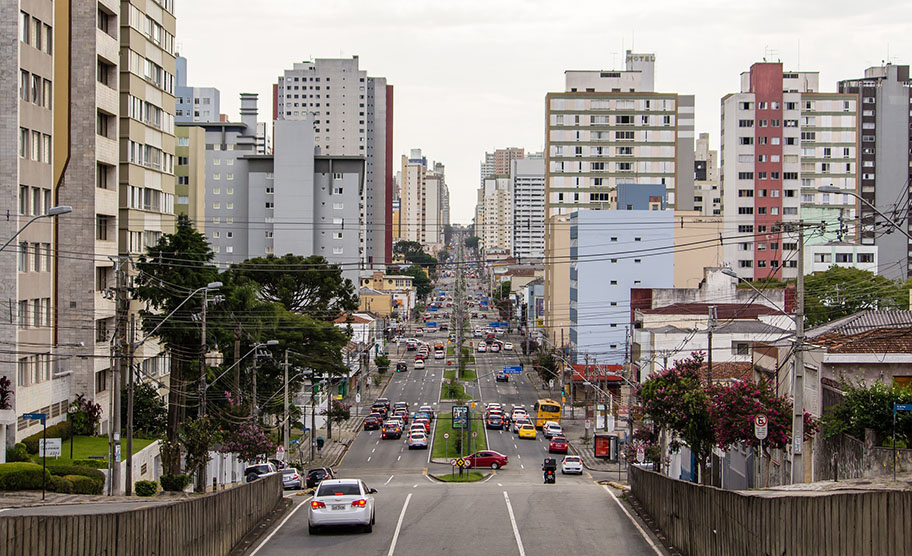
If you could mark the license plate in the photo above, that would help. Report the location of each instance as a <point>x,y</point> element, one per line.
<point>338,506</point>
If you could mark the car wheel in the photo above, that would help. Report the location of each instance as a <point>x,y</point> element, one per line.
<point>495,465</point>
<point>311,530</point>
<point>373,519</point>
<point>369,527</point>
<point>252,477</point>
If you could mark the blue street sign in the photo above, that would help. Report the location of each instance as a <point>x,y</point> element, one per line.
<point>512,370</point>
<point>431,323</point>
<point>432,308</point>
<point>902,407</point>
<point>34,416</point>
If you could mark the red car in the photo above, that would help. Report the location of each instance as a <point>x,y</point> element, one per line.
<point>372,422</point>
<point>486,458</point>
<point>558,444</point>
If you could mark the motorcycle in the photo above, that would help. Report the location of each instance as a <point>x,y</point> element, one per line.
<point>549,476</point>
<point>549,467</point>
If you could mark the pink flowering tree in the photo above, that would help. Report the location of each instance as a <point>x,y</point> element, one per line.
<point>677,402</point>
<point>734,407</point>
<point>248,440</point>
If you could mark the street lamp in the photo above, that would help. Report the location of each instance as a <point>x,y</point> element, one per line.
<point>834,189</point>
<point>797,372</point>
<point>53,211</point>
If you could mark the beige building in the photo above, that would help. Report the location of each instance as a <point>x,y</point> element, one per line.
<point>696,246</point>
<point>423,201</point>
<point>190,175</point>
<point>557,280</point>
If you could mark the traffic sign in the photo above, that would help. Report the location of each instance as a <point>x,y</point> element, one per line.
<point>453,462</point>
<point>460,462</point>
<point>641,454</point>
<point>761,427</point>
<point>474,434</point>
<point>50,450</point>
<point>446,435</point>
<point>588,424</point>
<point>512,369</point>
<point>34,416</point>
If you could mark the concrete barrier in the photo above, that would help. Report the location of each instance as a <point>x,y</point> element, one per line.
<point>701,520</point>
<point>203,526</point>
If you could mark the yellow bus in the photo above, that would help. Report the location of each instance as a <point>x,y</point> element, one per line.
<point>546,410</point>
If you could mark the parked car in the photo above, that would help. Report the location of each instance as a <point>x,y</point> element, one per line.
<point>572,464</point>
<point>486,458</point>
<point>317,474</point>
<point>255,471</point>
<point>558,445</point>
<point>342,502</point>
<point>373,422</point>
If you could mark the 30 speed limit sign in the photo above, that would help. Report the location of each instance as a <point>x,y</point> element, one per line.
<point>761,427</point>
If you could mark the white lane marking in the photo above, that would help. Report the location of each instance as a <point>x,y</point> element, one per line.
<point>519,544</point>
<point>400,457</point>
<point>500,484</point>
<point>276,530</point>
<point>521,466</point>
<point>519,456</point>
<point>399,525</point>
<point>640,529</point>
<point>374,450</point>
<point>388,480</point>
<point>369,458</point>
<point>378,442</point>
<point>414,486</point>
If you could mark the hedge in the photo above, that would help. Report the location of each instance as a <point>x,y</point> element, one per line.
<point>146,488</point>
<point>93,463</point>
<point>61,485</point>
<point>18,453</point>
<point>63,469</point>
<point>174,483</point>
<point>22,476</point>
<point>84,485</point>
<point>61,430</point>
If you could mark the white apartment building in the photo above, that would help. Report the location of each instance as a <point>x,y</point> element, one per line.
<point>494,215</point>
<point>782,139</point>
<point>707,190</point>
<point>527,177</point>
<point>353,116</point>
<point>423,201</point>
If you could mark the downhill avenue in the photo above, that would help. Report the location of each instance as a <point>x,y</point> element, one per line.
<point>510,512</point>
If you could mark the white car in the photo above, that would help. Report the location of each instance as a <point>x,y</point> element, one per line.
<point>572,464</point>
<point>439,354</point>
<point>518,414</point>
<point>341,502</point>
<point>508,346</point>
<point>417,440</point>
<point>482,347</point>
<point>550,428</point>
<point>419,363</point>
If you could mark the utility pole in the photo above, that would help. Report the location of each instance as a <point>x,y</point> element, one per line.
<point>286,427</point>
<point>709,332</point>
<point>253,399</point>
<point>119,369</point>
<point>798,406</point>
<point>237,358</point>
<point>128,483</point>
<point>202,361</point>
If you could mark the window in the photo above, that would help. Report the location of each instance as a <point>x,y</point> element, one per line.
<point>745,210</point>
<point>745,229</point>
<point>745,193</point>
<point>844,257</point>
<point>741,348</point>
<point>102,223</point>
<point>865,257</point>
<point>745,264</point>
<point>24,28</point>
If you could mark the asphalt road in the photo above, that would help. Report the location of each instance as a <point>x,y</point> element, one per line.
<point>512,512</point>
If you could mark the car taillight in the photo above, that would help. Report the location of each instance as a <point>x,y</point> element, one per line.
<point>359,503</point>
<point>316,505</point>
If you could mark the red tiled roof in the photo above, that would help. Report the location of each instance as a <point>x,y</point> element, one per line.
<point>878,340</point>
<point>594,373</point>
<point>723,310</point>
<point>344,319</point>
<point>728,370</point>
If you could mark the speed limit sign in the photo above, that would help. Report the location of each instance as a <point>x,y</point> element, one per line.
<point>474,435</point>
<point>446,435</point>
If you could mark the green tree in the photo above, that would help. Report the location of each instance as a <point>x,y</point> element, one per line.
<point>179,264</point>
<point>306,285</point>
<point>676,402</point>
<point>472,242</point>
<point>870,407</point>
<point>443,255</point>
<point>150,414</point>
<point>841,291</point>
<point>421,281</point>
<point>407,248</point>
<point>195,437</point>
<point>447,233</point>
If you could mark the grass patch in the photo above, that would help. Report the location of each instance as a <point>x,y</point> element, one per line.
<point>468,375</point>
<point>446,448</point>
<point>86,446</point>
<point>470,477</point>
<point>454,391</point>
<point>450,351</point>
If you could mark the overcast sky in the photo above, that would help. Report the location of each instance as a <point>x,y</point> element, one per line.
<point>471,75</point>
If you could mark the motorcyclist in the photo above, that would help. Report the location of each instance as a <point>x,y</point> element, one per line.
<point>548,468</point>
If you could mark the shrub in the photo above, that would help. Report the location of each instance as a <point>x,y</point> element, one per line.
<point>18,453</point>
<point>175,483</point>
<point>61,430</point>
<point>92,463</point>
<point>22,476</point>
<point>81,470</point>
<point>85,415</point>
<point>145,488</point>
<point>84,485</point>
<point>61,484</point>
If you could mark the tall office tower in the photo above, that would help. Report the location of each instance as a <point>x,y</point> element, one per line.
<point>28,185</point>
<point>606,129</point>
<point>527,179</point>
<point>147,141</point>
<point>498,162</point>
<point>353,116</point>
<point>194,104</point>
<point>781,140</point>
<point>885,160</point>
<point>707,194</point>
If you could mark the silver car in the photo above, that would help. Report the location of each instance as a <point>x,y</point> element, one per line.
<point>292,479</point>
<point>417,440</point>
<point>341,502</point>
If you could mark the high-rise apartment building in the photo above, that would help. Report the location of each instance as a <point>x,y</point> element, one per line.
<point>527,180</point>
<point>782,139</point>
<point>194,104</point>
<point>352,115</point>
<point>494,215</point>
<point>707,192</point>
<point>423,200</point>
<point>885,160</point>
<point>498,162</point>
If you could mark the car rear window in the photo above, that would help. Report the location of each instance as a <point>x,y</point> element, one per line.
<point>343,489</point>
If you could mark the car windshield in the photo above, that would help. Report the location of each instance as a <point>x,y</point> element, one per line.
<point>342,489</point>
<point>571,459</point>
<point>289,471</point>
